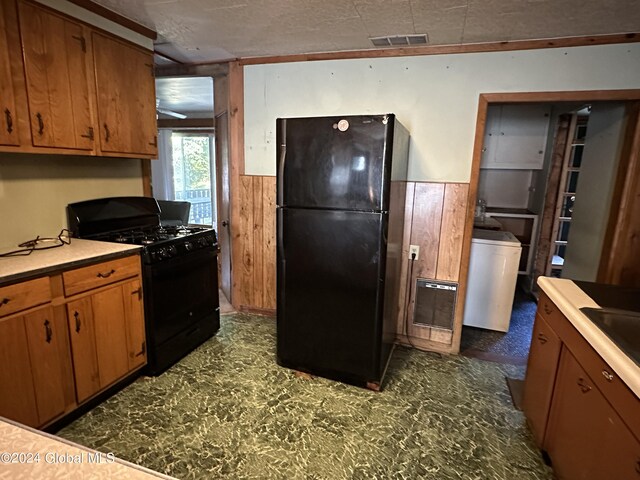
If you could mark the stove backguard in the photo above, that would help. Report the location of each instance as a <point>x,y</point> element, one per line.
<point>94,217</point>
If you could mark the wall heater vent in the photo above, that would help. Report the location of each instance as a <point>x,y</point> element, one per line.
<point>435,303</point>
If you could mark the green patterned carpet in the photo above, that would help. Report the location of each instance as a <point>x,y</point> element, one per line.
<point>228,411</point>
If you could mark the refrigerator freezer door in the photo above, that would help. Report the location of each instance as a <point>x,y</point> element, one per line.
<point>334,162</point>
<point>329,274</point>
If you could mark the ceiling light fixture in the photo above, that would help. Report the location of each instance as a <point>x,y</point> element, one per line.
<point>412,40</point>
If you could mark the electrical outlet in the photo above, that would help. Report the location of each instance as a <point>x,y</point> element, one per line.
<point>414,250</point>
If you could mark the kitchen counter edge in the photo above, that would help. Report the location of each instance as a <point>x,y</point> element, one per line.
<point>569,298</point>
<point>79,253</point>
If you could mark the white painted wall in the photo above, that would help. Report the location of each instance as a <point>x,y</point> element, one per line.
<point>435,97</point>
<point>600,158</point>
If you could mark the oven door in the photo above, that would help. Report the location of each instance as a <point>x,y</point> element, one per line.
<point>180,292</point>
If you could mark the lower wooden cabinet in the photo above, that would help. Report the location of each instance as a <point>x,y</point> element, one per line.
<point>541,375</point>
<point>586,439</point>
<point>17,395</point>
<point>589,429</point>
<point>55,356</point>
<point>34,362</point>
<point>50,363</point>
<point>107,337</point>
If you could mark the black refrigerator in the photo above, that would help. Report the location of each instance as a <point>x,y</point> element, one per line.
<point>341,187</point>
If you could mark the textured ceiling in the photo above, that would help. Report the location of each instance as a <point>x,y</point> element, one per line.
<point>213,30</point>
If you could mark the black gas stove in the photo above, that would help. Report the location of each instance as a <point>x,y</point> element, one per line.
<point>163,242</point>
<point>180,271</point>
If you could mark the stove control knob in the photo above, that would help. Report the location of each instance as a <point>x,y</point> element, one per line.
<point>160,253</point>
<point>172,251</point>
<point>188,246</point>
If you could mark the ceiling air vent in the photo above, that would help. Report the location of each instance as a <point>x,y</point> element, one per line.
<point>400,40</point>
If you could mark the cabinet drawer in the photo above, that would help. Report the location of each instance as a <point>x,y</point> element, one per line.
<point>21,296</point>
<point>621,398</point>
<point>548,311</point>
<point>98,275</point>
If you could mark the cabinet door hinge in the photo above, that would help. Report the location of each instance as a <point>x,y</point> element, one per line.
<point>82,40</point>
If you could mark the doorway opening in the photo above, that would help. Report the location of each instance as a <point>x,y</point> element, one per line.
<point>191,154</point>
<point>563,210</point>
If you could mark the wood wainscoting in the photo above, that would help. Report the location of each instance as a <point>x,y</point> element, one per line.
<point>435,218</point>
<point>254,245</point>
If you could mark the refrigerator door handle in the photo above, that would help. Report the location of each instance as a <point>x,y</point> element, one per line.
<point>282,153</point>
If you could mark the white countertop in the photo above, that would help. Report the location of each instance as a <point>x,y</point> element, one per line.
<point>40,262</point>
<point>34,454</point>
<point>569,298</point>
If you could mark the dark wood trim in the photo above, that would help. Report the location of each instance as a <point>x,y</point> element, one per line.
<point>235,87</point>
<point>116,18</point>
<point>567,96</point>
<point>186,123</point>
<point>506,46</point>
<point>618,264</point>
<point>481,121</point>
<point>200,70</point>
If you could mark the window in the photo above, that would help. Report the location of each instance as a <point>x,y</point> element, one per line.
<point>185,172</point>
<point>193,175</point>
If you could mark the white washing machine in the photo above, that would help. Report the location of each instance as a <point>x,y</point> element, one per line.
<point>491,284</point>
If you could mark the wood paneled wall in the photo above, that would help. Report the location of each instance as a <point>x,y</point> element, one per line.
<point>435,217</point>
<point>254,244</point>
<point>435,221</point>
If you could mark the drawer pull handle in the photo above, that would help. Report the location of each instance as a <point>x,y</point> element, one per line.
<point>542,338</point>
<point>638,466</point>
<point>547,309</point>
<point>7,115</point>
<point>107,133</point>
<point>76,315</point>
<point>106,275</point>
<point>4,301</point>
<point>137,292</point>
<point>583,386</point>
<point>47,331</point>
<point>40,124</point>
<point>607,375</point>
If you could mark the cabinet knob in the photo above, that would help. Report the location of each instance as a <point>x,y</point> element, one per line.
<point>547,309</point>
<point>107,133</point>
<point>607,375</point>
<point>542,338</point>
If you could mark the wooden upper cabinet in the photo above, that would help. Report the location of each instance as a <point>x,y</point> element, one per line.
<point>126,97</point>
<point>8,126</point>
<point>55,54</point>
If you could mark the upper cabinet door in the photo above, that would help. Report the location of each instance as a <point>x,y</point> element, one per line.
<point>515,137</point>
<point>55,50</point>
<point>126,97</point>
<point>8,127</point>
